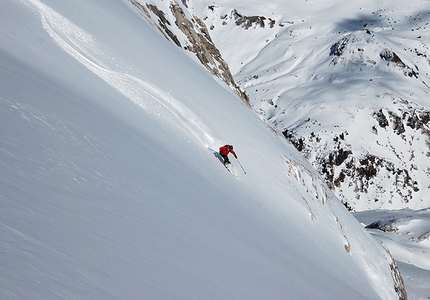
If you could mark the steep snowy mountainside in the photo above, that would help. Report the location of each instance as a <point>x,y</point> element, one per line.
<point>347,83</point>
<point>109,189</point>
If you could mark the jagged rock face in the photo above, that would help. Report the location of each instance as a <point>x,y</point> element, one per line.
<point>250,21</point>
<point>388,171</point>
<point>399,285</point>
<point>195,38</point>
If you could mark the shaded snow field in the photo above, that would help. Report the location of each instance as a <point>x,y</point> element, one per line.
<point>406,233</point>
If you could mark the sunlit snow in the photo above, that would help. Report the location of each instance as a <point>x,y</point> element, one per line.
<point>109,187</point>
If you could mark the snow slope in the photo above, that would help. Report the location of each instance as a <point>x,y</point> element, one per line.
<point>109,189</point>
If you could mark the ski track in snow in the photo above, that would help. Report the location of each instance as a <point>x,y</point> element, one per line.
<point>85,49</point>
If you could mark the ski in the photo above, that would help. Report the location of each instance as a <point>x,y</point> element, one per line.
<point>228,169</point>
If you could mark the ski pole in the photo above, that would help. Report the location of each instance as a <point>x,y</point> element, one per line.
<point>244,172</point>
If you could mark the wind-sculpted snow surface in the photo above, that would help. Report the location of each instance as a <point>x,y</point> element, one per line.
<point>96,57</point>
<point>108,189</point>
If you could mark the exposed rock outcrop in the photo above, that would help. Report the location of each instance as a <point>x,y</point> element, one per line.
<point>197,39</point>
<point>202,45</point>
<point>362,172</point>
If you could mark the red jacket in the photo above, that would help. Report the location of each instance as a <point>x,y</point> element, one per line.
<point>225,150</point>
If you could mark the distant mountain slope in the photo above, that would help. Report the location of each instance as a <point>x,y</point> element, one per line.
<point>356,103</point>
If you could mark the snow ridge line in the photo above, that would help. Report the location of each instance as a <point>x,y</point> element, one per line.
<point>353,244</point>
<point>88,51</point>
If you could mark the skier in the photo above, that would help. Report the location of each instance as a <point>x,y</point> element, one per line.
<point>224,151</point>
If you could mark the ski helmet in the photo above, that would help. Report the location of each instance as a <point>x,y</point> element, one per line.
<point>231,147</point>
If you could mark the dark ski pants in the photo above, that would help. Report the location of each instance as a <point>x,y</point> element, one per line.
<point>226,160</point>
